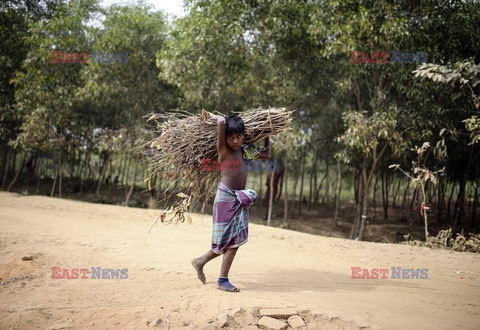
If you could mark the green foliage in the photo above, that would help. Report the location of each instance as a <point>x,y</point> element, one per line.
<point>208,58</point>
<point>233,55</point>
<point>463,76</point>
<point>364,134</point>
<point>44,90</point>
<point>15,17</point>
<point>421,174</point>
<point>290,143</point>
<point>473,125</point>
<point>464,79</point>
<point>120,94</point>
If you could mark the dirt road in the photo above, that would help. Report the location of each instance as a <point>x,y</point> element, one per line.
<point>275,269</point>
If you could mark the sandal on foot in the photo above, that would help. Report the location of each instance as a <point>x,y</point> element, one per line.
<point>225,285</point>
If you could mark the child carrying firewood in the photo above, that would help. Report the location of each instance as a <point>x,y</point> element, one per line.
<point>230,207</point>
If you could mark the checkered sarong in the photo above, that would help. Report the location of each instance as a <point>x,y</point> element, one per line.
<point>230,217</point>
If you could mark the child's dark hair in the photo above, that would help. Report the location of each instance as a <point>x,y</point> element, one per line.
<point>234,125</point>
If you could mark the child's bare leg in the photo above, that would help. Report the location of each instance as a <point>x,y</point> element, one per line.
<point>223,283</point>
<point>198,264</point>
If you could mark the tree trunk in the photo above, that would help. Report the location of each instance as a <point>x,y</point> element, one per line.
<point>363,222</point>
<point>132,186</point>
<point>60,172</point>
<point>313,196</point>
<point>285,198</point>
<point>39,167</point>
<point>425,216</point>
<point>338,191</point>
<point>5,175</point>
<point>460,204</point>
<point>450,201</point>
<point>405,194</point>
<point>110,175</point>
<point>18,172</point>
<point>294,197</point>
<point>300,202</point>
<point>52,192</point>
<point>86,164</point>
<point>280,188</point>
<point>385,190</point>
<point>89,166</point>
<point>475,205</point>
<point>356,222</point>
<point>374,198</point>
<point>14,167</point>
<point>310,191</point>
<point>319,188</point>
<point>326,183</point>
<point>101,176</point>
<point>122,164</point>
<point>125,171</point>
<point>73,161</point>
<point>36,162</point>
<point>395,192</point>
<point>367,181</point>
<point>412,202</point>
<point>81,169</point>
<point>356,189</point>
<point>5,158</point>
<point>356,186</point>
<point>261,182</point>
<point>440,198</point>
<point>467,222</point>
<point>270,200</point>
<point>80,165</point>
<point>37,189</point>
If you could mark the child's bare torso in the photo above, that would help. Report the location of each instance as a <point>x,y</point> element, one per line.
<point>236,175</point>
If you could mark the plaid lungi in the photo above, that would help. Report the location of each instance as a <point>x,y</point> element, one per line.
<point>230,217</point>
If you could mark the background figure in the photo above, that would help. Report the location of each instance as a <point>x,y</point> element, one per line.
<point>276,178</point>
<point>116,182</point>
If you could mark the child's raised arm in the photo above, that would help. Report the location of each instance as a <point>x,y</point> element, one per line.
<point>221,126</point>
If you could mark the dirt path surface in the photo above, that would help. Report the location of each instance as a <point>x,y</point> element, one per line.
<point>275,269</point>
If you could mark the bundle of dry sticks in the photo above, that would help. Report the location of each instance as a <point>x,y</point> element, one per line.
<point>183,140</point>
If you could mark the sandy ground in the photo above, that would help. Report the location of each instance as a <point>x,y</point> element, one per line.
<point>275,269</point>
